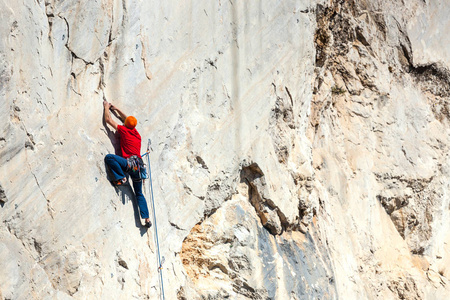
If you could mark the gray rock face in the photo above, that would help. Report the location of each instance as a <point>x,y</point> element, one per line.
<point>230,255</point>
<point>299,149</point>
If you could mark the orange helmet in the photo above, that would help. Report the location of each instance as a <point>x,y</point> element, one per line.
<point>130,122</point>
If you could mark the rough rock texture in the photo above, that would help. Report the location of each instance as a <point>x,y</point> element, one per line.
<point>300,149</point>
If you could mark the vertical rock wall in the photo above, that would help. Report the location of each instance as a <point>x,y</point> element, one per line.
<point>299,149</point>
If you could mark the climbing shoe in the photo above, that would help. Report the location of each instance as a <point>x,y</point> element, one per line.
<point>148,224</point>
<point>120,182</point>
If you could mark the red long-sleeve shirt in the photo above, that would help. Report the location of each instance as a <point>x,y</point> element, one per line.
<point>130,141</point>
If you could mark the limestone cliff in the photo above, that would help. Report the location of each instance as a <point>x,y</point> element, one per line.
<point>299,149</point>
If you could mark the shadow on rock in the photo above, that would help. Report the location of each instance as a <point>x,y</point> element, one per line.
<point>126,192</point>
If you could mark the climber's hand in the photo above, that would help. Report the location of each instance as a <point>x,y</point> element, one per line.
<point>106,104</point>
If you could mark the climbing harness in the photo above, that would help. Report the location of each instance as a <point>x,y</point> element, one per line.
<point>134,163</point>
<point>160,261</point>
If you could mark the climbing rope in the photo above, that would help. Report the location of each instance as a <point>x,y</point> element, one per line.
<point>155,226</point>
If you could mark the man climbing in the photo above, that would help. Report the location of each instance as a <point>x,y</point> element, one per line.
<point>129,162</point>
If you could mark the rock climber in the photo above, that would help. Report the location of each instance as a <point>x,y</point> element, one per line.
<point>130,146</point>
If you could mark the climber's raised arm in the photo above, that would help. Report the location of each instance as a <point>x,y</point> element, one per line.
<point>107,115</point>
<point>121,113</point>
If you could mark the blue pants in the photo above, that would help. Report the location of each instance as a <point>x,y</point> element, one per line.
<point>118,166</point>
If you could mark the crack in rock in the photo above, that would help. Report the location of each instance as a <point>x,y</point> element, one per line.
<point>270,215</point>
<point>49,207</point>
